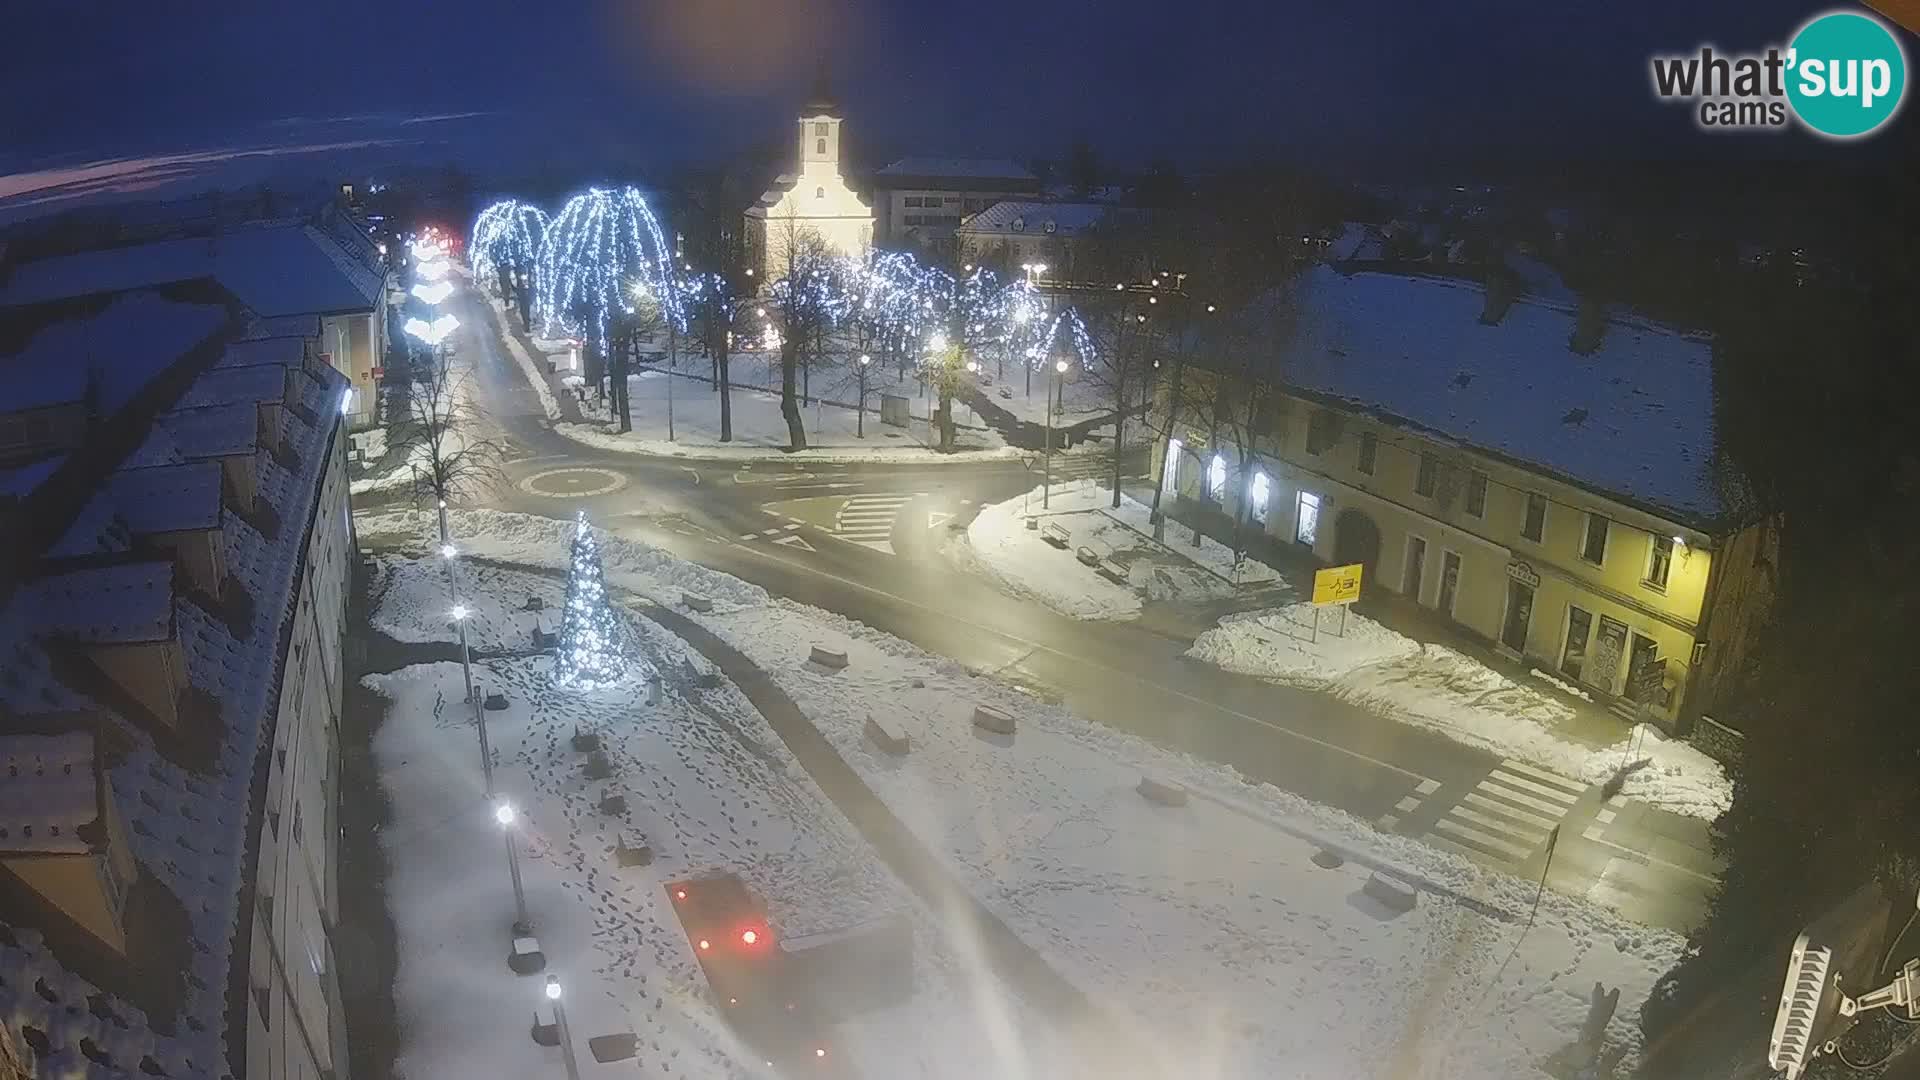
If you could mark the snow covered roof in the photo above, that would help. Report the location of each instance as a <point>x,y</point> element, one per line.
<point>47,792</point>
<point>959,169</point>
<point>240,385</point>
<point>300,326</point>
<point>21,479</point>
<point>115,604</point>
<point>1036,218</point>
<point>96,530</point>
<point>168,498</point>
<point>285,351</point>
<point>275,269</point>
<point>120,350</point>
<point>1632,419</point>
<point>213,431</point>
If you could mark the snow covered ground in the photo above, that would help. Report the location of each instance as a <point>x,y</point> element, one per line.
<point>999,544</point>
<point>758,426</point>
<point>709,787</point>
<point>1207,925</point>
<point>1079,398</point>
<point>1438,688</point>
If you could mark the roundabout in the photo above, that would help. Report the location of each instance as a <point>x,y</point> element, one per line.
<point>573,482</point>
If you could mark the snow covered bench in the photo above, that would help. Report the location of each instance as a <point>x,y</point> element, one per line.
<point>886,735</point>
<point>1056,534</point>
<point>988,718</point>
<point>828,658</point>
<point>1164,792</point>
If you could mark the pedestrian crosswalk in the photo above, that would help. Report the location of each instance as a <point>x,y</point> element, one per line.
<point>1083,466</point>
<point>867,520</point>
<point>1508,815</point>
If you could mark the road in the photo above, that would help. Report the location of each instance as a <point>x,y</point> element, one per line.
<point>863,540</point>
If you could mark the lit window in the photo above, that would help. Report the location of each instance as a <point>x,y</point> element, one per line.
<point>1258,494</point>
<point>1659,560</point>
<point>1369,447</point>
<point>1477,494</point>
<point>1306,524</point>
<point>819,193</point>
<point>1217,477</point>
<point>1594,547</point>
<point>1534,526</point>
<point>1170,468</point>
<point>1424,481</point>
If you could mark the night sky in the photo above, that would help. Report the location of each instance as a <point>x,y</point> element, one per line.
<point>494,84</point>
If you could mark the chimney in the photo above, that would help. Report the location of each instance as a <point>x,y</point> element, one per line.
<point>1589,327</point>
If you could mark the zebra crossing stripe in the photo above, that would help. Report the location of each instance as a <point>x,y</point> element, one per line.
<point>1522,769</point>
<point>1472,837</point>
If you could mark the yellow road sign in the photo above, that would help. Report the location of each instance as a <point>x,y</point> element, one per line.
<point>1336,585</point>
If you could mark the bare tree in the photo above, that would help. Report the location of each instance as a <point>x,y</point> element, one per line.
<point>804,302</point>
<point>441,432</point>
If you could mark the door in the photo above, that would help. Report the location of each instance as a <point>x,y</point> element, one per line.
<point>1306,522</point>
<point>1573,654</point>
<point>1513,629</point>
<point>1416,570</point>
<point>1259,494</point>
<point>1449,580</point>
<point>1641,685</point>
<point>1609,647</point>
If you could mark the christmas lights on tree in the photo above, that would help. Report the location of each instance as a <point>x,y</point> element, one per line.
<point>591,635</point>
<point>601,247</point>
<point>507,234</point>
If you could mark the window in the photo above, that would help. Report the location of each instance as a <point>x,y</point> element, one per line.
<point>1319,431</point>
<point>1306,524</point>
<point>819,193</point>
<point>819,127</point>
<point>1594,547</point>
<point>1259,493</point>
<point>970,205</point>
<point>1423,483</point>
<point>913,200</point>
<point>953,200</point>
<point>1170,470</point>
<point>1659,560</point>
<point>1217,477</point>
<point>1369,448</point>
<point>1534,525</point>
<point>1477,494</point>
<point>820,147</point>
<point>1416,569</point>
<point>1449,581</point>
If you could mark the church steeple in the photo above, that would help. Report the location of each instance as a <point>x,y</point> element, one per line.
<point>821,101</point>
<point>820,128</point>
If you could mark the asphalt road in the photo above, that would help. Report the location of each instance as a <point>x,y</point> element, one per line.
<point>863,540</point>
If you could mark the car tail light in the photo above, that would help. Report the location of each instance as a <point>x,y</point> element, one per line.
<point>749,937</point>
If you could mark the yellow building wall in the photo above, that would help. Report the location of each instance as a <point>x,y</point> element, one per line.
<point>1486,543</point>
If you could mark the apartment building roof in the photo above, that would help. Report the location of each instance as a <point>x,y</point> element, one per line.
<point>193,818</point>
<point>48,794</point>
<point>1632,418</point>
<point>1016,218</point>
<point>276,268</point>
<point>111,354</point>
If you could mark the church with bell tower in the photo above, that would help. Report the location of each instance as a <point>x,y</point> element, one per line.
<point>813,199</point>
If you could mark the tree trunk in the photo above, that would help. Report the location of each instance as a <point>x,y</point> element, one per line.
<point>1166,439</point>
<point>722,378</point>
<point>790,408</point>
<point>945,412</point>
<point>618,372</point>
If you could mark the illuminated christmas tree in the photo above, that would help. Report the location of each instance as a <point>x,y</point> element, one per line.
<point>590,632</point>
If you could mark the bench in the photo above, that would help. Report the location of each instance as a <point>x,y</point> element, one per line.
<point>886,735</point>
<point>613,805</point>
<point>1163,792</point>
<point>585,741</point>
<point>828,658</point>
<point>1087,556</point>
<point>1056,534</point>
<point>988,718</point>
<point>627,854</point>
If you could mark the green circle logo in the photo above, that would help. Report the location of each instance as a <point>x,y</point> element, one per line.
<point>1846,74</point>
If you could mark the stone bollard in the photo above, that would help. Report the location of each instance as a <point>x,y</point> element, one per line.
<point>1391,892</point>
<point>828,658</point>
<point>885,735</point>
<point>696,603</point>
<point>526,957</point>
<point>1163,792</point>
<point>988,718</point>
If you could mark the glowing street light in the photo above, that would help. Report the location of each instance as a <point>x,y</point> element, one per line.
<point>1046,471</point>
<point>560,1021</point>
<point>432,333</point>
<point>433,294</point>
<point>504,814</point>
<point>433,269</point>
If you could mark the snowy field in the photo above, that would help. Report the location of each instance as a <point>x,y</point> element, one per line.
<point>1438,688</point>
<point>1078,397</point>
<point>999,544</point>
<point>1208,926</point>
<point>710,788</point>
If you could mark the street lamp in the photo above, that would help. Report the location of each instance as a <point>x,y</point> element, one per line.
<point>504,814</point>
<point>860,410</point>
<point>460,613</point>
<point>1046,472</point>
<point>560,1021</point>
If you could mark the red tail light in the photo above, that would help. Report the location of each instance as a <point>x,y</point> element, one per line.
<point>749,936</point>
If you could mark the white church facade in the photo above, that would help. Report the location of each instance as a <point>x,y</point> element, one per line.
<point>815,199</point>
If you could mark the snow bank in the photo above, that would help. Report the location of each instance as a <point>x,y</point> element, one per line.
<point>1443,690</point>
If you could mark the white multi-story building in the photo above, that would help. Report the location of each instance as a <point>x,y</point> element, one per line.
<point>1014,233</point>
<point>175,551</point>
<point>920,201</point>
<point>815,199</point>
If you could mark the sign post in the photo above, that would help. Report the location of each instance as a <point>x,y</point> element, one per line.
<point>1335,586</point>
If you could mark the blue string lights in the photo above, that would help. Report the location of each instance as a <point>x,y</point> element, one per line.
<point>508,234</point>
<point>603,247</point>
<point>590,655</point>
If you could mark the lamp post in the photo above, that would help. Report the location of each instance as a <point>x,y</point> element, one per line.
<point>503,813</point>
<point>560,1021</point>
<point>460,614</point>
<point>973,368</point>
<point>860,409</point>
<point>1046,478</point>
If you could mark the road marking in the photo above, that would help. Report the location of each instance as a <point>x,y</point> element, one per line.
<point>1523,769</point>
<point>935,519</point>
<point>1508,814</point>
<point>795,541</point>
<point>1427,787</point>
<point>867,520</point>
